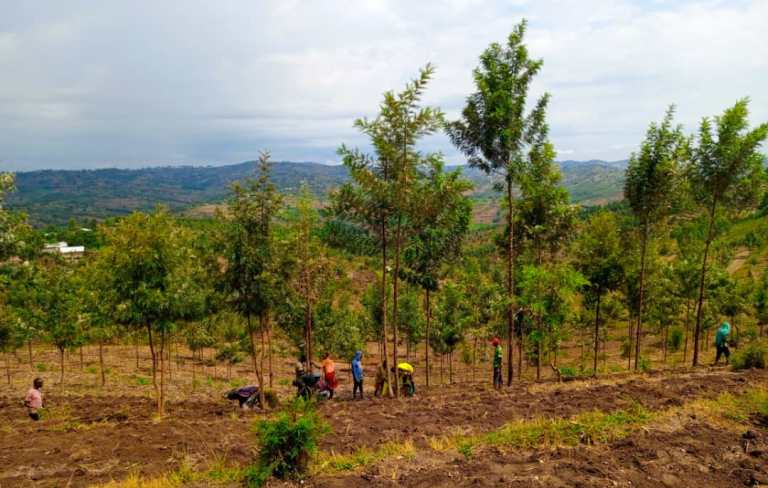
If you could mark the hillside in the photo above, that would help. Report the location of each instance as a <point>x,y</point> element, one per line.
<point>55,196</point>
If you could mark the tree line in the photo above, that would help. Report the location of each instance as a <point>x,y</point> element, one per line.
<point>272,268</point>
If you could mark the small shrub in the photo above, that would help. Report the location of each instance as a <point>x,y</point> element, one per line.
<point>286,444</point>
<point>141,380</point>
<point>753,355</point>
<point>644,364</point>
<point>91,370</point>
<point>675,339</point>
<point>625,349</point>
<point>41,367</point>
<point>568,372</point>
<point>465,449</point>
<point>271,398</point>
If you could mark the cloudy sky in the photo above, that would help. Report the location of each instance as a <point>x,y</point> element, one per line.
<point>89,84</point>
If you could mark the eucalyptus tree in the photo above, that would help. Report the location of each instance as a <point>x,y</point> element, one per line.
<point>548,292</point>
<point>311,263</point>
<point>452,315</point>
<point>652,184</point>
<point>500,138</point>
<point>249,276</point>
<point>443,223</point>
<point>727,172</point>
<point>381,195</point>
<point>760,302</point>
<point>598,252</point>
<point>152,279</point>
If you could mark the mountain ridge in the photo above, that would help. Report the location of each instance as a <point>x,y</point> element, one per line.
<point>53,196</point>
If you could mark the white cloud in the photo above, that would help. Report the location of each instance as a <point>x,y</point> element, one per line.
<point>93,84</point>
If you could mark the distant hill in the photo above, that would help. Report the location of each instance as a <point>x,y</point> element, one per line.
<point>55,196</point>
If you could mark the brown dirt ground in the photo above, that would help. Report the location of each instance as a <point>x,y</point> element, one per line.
<point>90,438</point>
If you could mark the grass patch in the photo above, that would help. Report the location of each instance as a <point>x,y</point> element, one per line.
<point>140,380</point>
<point>364,457</point>
<point>41,367</point>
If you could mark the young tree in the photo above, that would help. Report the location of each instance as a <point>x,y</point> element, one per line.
<point>727,172</point>
<point>382,193</point>
<point>311,263</point>
<point>499,137</point>
<point>443,222</point>
<point>650,187</point>
<point>598,252</point>
<point>152,281</point>
<point>250,279</point>
<point>452,320</point>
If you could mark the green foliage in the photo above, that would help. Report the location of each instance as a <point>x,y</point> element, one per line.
<point>675,339</point>
<point>286,444</point>
<point>752,355</point>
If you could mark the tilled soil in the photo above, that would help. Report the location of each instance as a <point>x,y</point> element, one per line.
<point>89,439</point>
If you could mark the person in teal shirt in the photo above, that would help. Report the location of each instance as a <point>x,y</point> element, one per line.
<point>721,342</point>
<point>497,358</point>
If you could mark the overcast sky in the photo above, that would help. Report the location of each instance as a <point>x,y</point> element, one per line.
<point>140,83</point>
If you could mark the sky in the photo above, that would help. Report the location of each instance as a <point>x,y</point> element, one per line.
<point>89,84</point>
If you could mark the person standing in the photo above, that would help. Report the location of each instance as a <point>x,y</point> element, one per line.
<point>329,373</point>
<point>498,382</point>
<point>357,374</point>
<point>34,399</point>
<point>721,342</point>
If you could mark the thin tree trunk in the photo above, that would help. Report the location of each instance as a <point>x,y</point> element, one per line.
<point>510,281</point>
<point>61,364</point>
<point>426,344</point>
<point>29,351</point>
<point>395,283</point>
<point>259,379</point>
<point>597,332</point>
<point>161,398</point>
<point>450,367</point>
<point>384,300</point>
<point>538,348</point>
<point>308,336</point>
<point>269,346</point>
<point>664,346</point>
<point>687,328</point>
<point>630,335</point>
<point>82,363</point>
<point>8,368</point>
<point>638,331</point>
<point>154,363</point>
<point>137,352</point>
<point>101,363</point>
<point>700,305</point>
<point>474,357</point>
<point>442,356</point>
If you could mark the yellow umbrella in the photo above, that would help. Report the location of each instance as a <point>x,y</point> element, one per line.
<point>405,367</point>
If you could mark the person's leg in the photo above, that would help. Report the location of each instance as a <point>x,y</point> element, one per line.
<point>726,353</point>
<point>34,416</point>
<point>719,353</point>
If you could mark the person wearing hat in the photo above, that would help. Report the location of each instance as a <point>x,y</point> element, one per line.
<point>497,358</point>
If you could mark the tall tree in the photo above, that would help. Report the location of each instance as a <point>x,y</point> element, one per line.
<point>382,192</point>
<point>727,172</point>
<point>650,187</point>
<point>598,251</point>
<point>500,138</point>
<point>152,280</point>
<point>250,278</point>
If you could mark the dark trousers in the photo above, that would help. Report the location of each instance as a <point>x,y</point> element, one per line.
<point>722,351</point>
<point>34,415</point>
<point>498,382</point>
<point>357,386</point>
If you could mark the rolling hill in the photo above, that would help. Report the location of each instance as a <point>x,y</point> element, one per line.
<point>55,196</point>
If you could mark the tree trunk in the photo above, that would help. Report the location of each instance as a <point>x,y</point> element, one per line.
<point>700,305</point>
<point>538,348</point>
<point>664,346</point>
<point>520,348</point>
<point>442,356</point>
<point>630,335</point>
<point>395,282</point>
<point>137,352</point>
<point>8,368</point>
<point>450,367</point>
<point>474,357</point>
<point>384,300</point>
<point>82,363</point>
<point>101,363</point>
<point>687,328</point>
<point>426,344</point>
<point>269,348</point>
<point>154,363</point>
<point>61,364</point>
<point>29,351</point>
<point>161,398</point>
<point>257,372</point>
<point>597,332</point>
<point>308,337</point>
<point>638,331</point>
<point>510,280</point>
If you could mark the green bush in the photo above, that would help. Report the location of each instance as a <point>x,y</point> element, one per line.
<point>625,349</point>
<point>753,355</point>
<point>568,372</point>
<point>644,364</point>
<point>286,444</point>
<point>675,339</point>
